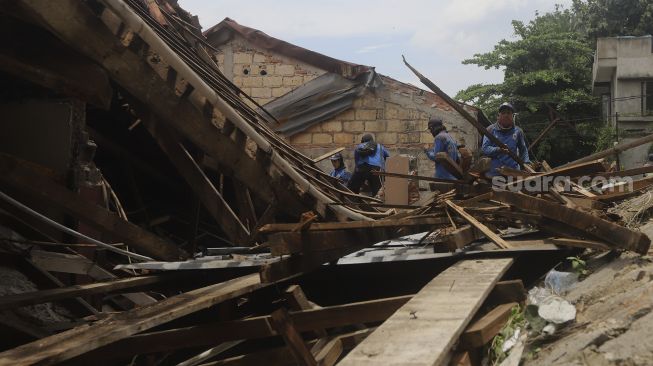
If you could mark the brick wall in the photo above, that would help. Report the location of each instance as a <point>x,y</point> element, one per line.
<point>400,125</point>
<point>396,113</point>
<point>262,75</point>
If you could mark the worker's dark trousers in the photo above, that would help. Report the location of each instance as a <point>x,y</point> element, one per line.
<point>364,173</point>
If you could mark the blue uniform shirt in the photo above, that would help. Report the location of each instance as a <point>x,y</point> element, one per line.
<point>514,139</point>
<point>342,174</point>
<point>443,142</point>
<point>376,159</point>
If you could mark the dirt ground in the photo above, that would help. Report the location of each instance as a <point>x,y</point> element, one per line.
<point>614,322</point>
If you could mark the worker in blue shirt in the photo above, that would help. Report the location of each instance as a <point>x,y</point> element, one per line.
<point>443,142</point>
<point>369,157</point>
<point>506,131</point>
<point>339,169</point>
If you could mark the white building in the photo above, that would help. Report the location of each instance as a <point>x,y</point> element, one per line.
<point>623,77</point>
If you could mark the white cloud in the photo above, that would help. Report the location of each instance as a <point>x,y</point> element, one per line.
<point>438,33</point>
<point>372,48</point>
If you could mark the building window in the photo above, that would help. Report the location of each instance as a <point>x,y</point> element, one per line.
<point>647,98</point>
<point>606,108</point>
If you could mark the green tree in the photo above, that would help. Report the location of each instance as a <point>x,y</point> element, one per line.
<point>548,65</point>
<point>607,18</point>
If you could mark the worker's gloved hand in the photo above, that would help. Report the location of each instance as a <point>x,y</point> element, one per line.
<point>504,150</point>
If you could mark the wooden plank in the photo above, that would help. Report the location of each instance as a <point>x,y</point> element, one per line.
<point>575,170</point>
<point>188,168</point>
<point>617,235</point>
<point>626,173</point>
<point>396,189</point>
<point>448,164</point>
<point>418,177</point>
<point>281,356</point>
<point>210,353</point>
<point>251,328</point>
<point>423,331</point>
<point>39,297</point>
<point>484,329</point>
<point>577,243</point>
<point>71,343</point>
<point>326,155</point>
<point>297,301</point>
<point>327,240</point>
<point>69,263</point>
<point>41,188</point>
<point>284,326</point>
<point>330,353</point>
<point>461,237</point>
<point>496,239</point>
<point>350,225</point>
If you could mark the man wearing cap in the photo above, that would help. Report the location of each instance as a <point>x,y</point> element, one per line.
<point>339,169</point>
<point>512,136</point>
<point>369,157</point>
<point>443,142</point>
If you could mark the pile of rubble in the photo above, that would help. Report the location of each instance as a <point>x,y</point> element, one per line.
<point>109,259</point>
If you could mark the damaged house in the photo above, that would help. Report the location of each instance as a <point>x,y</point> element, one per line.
<point>150,214</point>
<point>322,103</point>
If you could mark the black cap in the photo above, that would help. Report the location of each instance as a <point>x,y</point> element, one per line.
<point>435,122</point>
<point>367,137</point>
<point>506,105</point>
<point>336,156</point>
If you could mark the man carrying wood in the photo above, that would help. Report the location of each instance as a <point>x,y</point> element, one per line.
<point>512,136</point>
<point>443,142</point>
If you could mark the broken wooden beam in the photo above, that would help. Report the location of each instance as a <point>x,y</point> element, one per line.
<point>577,243</point>
<point>481,332</point>
<point>38,297</point>
<point>617,235</point>
<point>496,239</point>
<point>197,180</point>
<point>284,326</point>
<point>626,145</point>
<point>352,225</point>
<point>462,237</point>
<point>21,178</point>
<point>78,264</point>
<point>449,165</point>
<point>326,155</point>
<point>425,329</point>
<point>251,328</point>
<point>281,356</point>
<point>74,342</point>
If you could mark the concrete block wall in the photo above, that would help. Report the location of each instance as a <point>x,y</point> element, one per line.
<point>396,113</point>
<point>261,74</point>
<point>401,128</point>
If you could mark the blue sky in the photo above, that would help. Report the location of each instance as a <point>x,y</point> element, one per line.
<point>434,35</point>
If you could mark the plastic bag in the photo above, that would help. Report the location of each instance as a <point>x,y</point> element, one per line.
<point>560,282</point>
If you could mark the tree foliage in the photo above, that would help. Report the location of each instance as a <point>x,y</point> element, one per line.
<point>548,65</point>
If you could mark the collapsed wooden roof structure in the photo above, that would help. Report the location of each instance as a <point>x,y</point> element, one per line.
<point>143,67</point>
